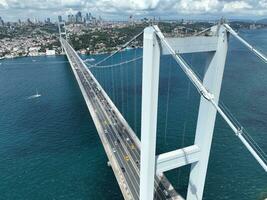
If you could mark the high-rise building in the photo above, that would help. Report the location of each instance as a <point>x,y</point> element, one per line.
<point>88,17</point>
<point>71,18</point>
<point>48,21</point>
<point>29,22</point>
<point>2,23</point>
<point>59,18</point>
<point>79,17</point>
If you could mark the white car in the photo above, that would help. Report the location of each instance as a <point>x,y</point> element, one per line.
<point>114,150</point>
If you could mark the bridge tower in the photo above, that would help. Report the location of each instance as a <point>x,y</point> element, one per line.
<point>197,154</point>
<point>62,32</point>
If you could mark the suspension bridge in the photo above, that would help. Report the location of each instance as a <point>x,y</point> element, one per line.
<point>137,168</point>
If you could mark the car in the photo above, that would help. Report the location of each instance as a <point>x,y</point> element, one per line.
<point>114,150</point>
<point>127,139</point>
<point>116,143</point>
<point>132,146</point>
<point>123,169</point>
<point>105,131</point>
<point>127,158</point>
<point>166,193</point>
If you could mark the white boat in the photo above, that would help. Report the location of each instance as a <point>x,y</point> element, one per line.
<point>89,60</point>
<point>35,95</point>
<point>128,48</point>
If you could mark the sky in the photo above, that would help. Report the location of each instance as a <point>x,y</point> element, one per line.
<point>12,10</point>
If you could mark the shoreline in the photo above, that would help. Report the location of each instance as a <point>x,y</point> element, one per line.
<point>42,55</point>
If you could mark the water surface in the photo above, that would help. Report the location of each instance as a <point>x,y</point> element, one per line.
<point>49,147</point>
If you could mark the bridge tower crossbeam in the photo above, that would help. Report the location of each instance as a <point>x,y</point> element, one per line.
<point>198,154</point>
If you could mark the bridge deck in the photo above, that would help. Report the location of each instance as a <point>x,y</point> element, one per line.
<point>120,143</point>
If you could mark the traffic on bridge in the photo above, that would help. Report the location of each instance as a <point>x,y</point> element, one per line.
<point>120,143</point>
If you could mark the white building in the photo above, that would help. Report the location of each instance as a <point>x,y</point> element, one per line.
<point>50,52</point>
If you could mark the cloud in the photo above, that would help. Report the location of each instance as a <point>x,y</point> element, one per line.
<point>135,4</point>
<point>263,3</point>
<point>3,4</point>
<point>236,6</point>
<point>198,6</point>
<point>118,8</point>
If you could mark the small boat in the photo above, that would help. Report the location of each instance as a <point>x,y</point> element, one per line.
<point>129,48</point>
<point>89,60</point>
<point>35,95</point>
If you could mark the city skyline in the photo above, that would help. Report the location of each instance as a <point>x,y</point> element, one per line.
<point>121,10</point>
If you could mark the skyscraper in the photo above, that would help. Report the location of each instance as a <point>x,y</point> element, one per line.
<point>1,22</point>
<point>48,21</point>
<point>71,18</point>
<point>59,18</point>
<point>29,21</point>
<point>78,17</point>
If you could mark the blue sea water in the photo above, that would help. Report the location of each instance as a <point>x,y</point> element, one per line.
<point>49,147</point>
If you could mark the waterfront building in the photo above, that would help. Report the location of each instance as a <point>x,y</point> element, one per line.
<point>50,52</point>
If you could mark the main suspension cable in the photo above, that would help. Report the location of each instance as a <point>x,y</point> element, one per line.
<point>210,98</point>
<point>167,101</point>
<point>120,49</point>
<point>117,64</point>
<point>250,47</point>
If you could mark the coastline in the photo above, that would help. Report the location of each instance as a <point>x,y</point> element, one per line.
<point>42,54</point>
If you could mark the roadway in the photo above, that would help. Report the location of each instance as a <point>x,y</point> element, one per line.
<point>120,141</point>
